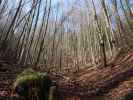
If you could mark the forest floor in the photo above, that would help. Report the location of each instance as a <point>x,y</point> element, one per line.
<point>114,82</point>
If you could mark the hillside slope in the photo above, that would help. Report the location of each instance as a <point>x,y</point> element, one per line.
<point>114,82</point>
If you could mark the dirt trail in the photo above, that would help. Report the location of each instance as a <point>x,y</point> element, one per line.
<point>100,83</point>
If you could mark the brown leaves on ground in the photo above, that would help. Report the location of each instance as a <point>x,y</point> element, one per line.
<point>113,82</point>
<point>109,83</point>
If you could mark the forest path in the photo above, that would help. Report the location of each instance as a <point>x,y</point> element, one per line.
<point>102,83</point>
<point>110,83</point>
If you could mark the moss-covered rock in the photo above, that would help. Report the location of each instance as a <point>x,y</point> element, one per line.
<point>30,82</point>
<point>26,76</point>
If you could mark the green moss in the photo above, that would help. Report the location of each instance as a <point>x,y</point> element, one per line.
<point>26,76</point>
<point>30,79</point>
